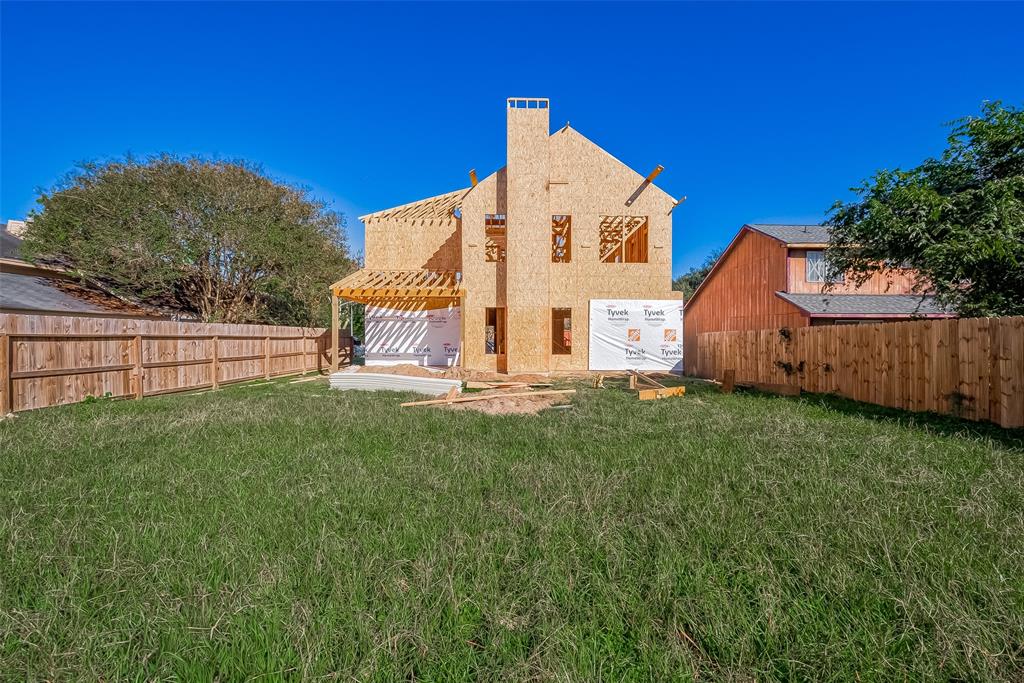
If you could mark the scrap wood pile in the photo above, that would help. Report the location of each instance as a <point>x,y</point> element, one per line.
<point>647,388</point>
<point>502,401</point>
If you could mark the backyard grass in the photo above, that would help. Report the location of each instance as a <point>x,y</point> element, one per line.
<point>285,531</point>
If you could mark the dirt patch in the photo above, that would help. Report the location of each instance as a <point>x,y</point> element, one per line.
<point>512,405</point>
<point>406,370</point>
<point>410,370</point>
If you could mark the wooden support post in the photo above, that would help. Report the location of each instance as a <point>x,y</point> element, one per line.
<point>215,378</point>
<point>462,331</point>
<point>266,357</point>
<point>303,348</point>
<point>138,376</point>
<point>6,385</point>
<point>728,380</point>
<point>335,344</point>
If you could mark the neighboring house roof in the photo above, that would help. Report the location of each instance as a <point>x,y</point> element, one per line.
<point>39,288</point>
<point>794,234</point>
<point>58,295</point>
<point>10,246</point>
<point>866,304</point>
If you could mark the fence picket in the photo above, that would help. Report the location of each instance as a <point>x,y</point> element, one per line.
<point>968,367</point>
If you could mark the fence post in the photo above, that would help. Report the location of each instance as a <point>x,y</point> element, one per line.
<point>266,357</point>
<point>139,376</point>
<point>303,347</point>
<point>216,362</point>
<point>6,385</point>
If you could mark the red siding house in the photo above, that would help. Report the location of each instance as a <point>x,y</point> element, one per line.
<point>773,276</point>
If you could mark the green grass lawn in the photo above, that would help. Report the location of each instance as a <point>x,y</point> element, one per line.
<point>289,532</point>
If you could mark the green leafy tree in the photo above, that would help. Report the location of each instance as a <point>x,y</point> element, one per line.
<point>957,220</point>
<point>217,239</point>
<point>688,282</point>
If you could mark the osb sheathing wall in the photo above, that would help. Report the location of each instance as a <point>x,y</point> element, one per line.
<point>528,258</point>
<point>485,281</point>
<point>547,174</point>
<point>582,181</point>
<point>421,235</point>
<point>587,183</point>
<point>429,244</point>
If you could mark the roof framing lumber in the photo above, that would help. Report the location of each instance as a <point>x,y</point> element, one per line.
<point>364,285</point>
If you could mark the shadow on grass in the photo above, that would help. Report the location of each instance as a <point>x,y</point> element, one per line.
<point>945,425</point>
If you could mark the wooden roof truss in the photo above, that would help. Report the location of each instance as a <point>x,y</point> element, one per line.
<point>368,285</point>
<point>441,207</point>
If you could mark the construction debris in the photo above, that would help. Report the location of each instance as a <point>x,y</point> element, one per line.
<point>473,384</point>
<point>485,397</point>
<point>365,381</point>
<point>654,390</point>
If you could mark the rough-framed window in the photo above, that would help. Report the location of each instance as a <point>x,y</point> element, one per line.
<point>561,331</point>
<point>494,331</point>
<point>494,237</point>
<point>561,239</point>
<point>623,239</point>
<point>818,269</point>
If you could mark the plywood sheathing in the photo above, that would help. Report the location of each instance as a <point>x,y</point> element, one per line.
<point>593,184</point>
<point>560,174</point>
<point>420,235</point>
<point>528,252</point>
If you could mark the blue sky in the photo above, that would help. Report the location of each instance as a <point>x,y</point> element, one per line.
<point>759,112</point>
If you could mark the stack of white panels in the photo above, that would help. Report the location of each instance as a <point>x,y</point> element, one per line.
<point>372,381</point>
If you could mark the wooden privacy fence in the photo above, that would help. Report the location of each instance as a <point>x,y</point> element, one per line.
<point>972,367</point>
<point>50,360</point>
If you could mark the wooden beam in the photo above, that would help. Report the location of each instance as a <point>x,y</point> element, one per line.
<point>335,341</point>
<point>654,174</point>
<point>656,385</point>
<point>472,176</point>
<point>677,203</point>
<point>664,392</point>
<point>469,399</point>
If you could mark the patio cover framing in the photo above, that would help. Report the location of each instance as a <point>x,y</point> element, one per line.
<point>381,286</point>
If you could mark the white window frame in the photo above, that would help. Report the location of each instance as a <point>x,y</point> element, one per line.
<point>816,269</point>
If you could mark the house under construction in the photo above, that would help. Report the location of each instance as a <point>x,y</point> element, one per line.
<point>502,275</point>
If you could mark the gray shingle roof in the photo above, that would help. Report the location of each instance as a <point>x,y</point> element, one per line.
<point>10,246</point>
<point>29,292</point>
<point>794,234</point>
<point>865,304</point>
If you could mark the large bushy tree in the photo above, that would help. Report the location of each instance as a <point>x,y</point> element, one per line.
<point>218,239</point>
<point>688,282</point>
<point>958,220</point>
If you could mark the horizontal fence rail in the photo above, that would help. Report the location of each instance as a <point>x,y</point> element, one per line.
<point>971,367</point>
<point>52,360</point>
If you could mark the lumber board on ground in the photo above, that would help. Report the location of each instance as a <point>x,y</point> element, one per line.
<point>663,392</point>
<point>484,397</point>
